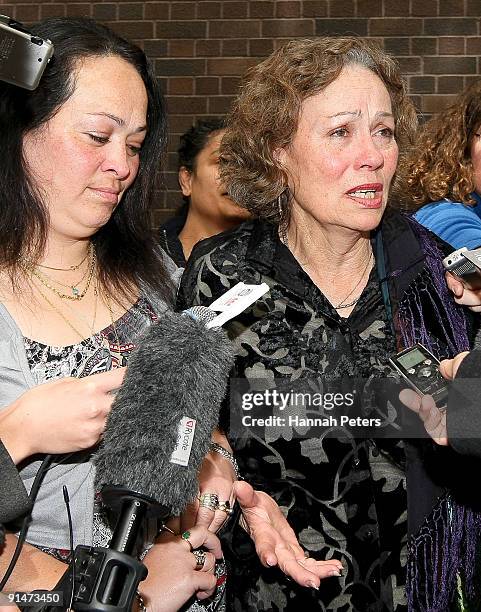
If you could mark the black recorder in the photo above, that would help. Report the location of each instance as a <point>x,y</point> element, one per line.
<point>420,369</point>
<point>23,56</point>
<point>466,264</point>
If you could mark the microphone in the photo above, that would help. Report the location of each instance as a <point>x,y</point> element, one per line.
<point>157,434</point>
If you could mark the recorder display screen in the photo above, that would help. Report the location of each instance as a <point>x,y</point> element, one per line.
<point>411,359</point>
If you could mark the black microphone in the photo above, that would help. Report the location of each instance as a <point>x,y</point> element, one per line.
<point>156,437</point>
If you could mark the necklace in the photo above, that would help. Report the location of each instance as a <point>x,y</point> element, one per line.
<point>342,304</point>
<point>69,268</point>
<point>76,294</point>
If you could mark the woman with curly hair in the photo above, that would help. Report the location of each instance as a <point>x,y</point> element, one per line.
<point>311,149</point>
<point>443,172</point>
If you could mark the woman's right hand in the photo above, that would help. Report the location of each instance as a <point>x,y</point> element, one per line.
<point>60,416</point>
<point>173,578</point>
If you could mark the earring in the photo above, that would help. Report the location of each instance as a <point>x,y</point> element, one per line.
<point>282,220</point>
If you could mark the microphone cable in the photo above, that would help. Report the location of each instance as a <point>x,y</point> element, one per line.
<point>43,469</point>
<point>70,533</point>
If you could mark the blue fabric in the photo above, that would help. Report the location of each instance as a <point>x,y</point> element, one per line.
<point>454,222</point>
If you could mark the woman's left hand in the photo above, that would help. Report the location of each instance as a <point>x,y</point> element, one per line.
<point>275,541</point>
<point>462,294</point>
<point>434,419</point>
<point>216,477</point>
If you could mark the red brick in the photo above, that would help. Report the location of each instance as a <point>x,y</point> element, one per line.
<point>450,8</point>
<point>409,65</point>
<point>234,10</point>
<point>436,103</point>
<point>180,86</point>
<point>181,29</point>
<point>79,10</point>
<point>179,67</point>
<point>425,8</point>
<point>236,47</point>
<point>473,7</point>
<point>131,11</point>
<point>261,47</point>
<point>449,64</point>
<point>155,48</point>
<point>369,8</point>
<point>182,10</point>
<point>179,124</point>
<point>285,9</point>
<point>224,66</point>
<point>181,48</point>
<point>422,84</point>
<point>209,10</point>
<point>104,12</point>
<point>314,8</point>
<point>230,85</point>
<point>450,84</point>
<point>207,86</point>
<point>397,46</point>
<point>395,27</point>
<point>452,26</point>
<point>234,29</point>
<point>25,12</point>
<point>220,105</point>
<point>473,46</point>
<point>186,105</point>
<point>424,46</point>
<point>397,8</point>
<point>156,10</point>
<point>52,10</point>
<point>287,27</point>
<point>207,48</point>
<point>326,27</point>
<point>261,10</point>
<point>451,45</point>
<point>134,29</point>
<point>342,8</point>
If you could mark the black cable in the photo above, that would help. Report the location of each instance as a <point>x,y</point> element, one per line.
<point>70,532</point>
<point>26,521</point>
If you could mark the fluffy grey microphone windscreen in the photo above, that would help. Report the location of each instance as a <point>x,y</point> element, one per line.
<point>180,369</point>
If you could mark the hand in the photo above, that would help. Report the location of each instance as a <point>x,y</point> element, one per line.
<point>173,578</point>
<point>60,416</point>
<point>216,476</point>
<point>462,294</point>
<point>449,367</point>
<point>276,542</point>
<point>434,419</point>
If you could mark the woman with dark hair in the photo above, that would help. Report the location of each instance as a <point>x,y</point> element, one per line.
<point>80,279</point>
<point>443,172</point>
<point>311,148</point>
<point>207,208</point>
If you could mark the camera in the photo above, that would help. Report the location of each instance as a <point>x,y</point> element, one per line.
<point>420,369</point>
<point>466,264</point>
<point>23,56</point>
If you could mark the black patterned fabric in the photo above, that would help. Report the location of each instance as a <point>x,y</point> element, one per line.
<point>344,498</point>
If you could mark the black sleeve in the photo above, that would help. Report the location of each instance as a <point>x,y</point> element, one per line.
<point>14,501</point>
<point>464,407</point>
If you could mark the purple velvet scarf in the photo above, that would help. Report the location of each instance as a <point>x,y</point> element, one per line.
<point>444,549</point>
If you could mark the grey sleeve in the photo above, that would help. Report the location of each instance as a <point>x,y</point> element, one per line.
<point>14,501</point>
<point>464,407</point>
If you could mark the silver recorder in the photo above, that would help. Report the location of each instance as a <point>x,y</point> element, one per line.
<point>23,56</point>
<point>466,264</point>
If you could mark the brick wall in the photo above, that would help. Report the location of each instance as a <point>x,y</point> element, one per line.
<point>200,48</point>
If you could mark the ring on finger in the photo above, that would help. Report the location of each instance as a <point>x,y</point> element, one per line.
<point>225,507</point>
<point>185,536</point>
<point>199,558</point>
<point>209,500</point>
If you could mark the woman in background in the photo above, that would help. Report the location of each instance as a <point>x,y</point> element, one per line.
<point>443,172</point>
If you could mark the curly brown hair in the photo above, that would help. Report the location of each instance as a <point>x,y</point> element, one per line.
<point>266,112</point>
<point>440,163</point>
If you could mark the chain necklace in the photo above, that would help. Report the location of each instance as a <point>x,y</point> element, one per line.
<point>76,295</point>
<point>71,267</point>
<point>342,304</point>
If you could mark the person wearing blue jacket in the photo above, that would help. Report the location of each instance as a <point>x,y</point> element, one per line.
<point>443,172</point>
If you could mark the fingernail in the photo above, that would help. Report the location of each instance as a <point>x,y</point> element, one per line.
<point>313,585</point>
<point>270,562</point>
<point>337,573</point>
